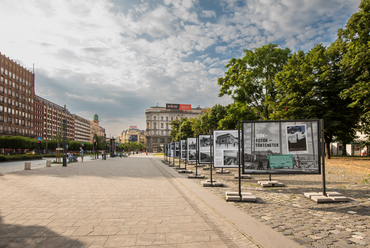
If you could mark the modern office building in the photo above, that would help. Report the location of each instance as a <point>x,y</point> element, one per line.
<point>17,90</point>
<point>133,134</point>
<point>158,120</point>
<point>82,129</point>
<point>54,115</point>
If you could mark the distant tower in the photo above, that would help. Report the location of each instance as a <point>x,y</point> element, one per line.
<point>96,118</point>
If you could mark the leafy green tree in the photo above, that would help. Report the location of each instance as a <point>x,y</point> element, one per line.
<point>251,79</point>
<point>187,129</point>
<point>236,112</point>
<point>309,87</point>
<point>355,40</point>
<point>195,126</point>
<point>175,128</point>
<point>210,120</point>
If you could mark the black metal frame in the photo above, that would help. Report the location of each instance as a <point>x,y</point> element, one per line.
<point>214,149</point>
<point>276,171</point>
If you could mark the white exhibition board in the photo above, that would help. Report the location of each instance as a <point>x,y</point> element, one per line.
<point>225,148</point>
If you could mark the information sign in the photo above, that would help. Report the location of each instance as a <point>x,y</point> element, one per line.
<point>281,161</point>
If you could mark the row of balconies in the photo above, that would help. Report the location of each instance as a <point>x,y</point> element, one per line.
<point>16,123</point>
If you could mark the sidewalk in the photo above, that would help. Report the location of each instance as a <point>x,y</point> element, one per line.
<point>134,202</point>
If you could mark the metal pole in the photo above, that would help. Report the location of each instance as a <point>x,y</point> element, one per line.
<point>196,155</point>
<point>174,154</point>
<point>323,156</point>
<point>210,154</point>
<point>240,176</point>
<point>180,144</point>
<point>64,142</point>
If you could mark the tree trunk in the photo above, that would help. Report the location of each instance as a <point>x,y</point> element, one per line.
<point>344,150</point>
<point>327,146</point>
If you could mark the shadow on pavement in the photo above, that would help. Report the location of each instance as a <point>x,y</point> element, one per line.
<point>33,236</point>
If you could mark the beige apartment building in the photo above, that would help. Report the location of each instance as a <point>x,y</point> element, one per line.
<point>133,134</point>
<point>82,129</point>
<point>158,120</point>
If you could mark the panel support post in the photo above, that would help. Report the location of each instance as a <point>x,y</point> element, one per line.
<point>322,143</point>
<point>240,176</point>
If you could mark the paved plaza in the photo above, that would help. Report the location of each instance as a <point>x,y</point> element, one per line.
<point>121,202</point>
<point>141,202</point>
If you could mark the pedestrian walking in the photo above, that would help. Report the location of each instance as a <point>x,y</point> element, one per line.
<point>82,154</point>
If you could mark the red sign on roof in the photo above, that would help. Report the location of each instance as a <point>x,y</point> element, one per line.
<point>185,106</point>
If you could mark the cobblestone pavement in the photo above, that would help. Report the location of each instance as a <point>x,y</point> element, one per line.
<point>130,202</point>
<point>286,210</point>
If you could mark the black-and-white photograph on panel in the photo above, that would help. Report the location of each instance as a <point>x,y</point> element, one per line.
<point>177,149</point>
<point>192,149</point>
<point>183,148</point>
<point>205,141</point>
<point>281,147</point>
<point>172,149</point>
<point>225,148</point>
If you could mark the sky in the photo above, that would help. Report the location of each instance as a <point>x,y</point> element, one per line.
<point>117,58</point>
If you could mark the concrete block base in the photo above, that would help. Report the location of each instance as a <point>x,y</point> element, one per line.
<point>27,165</point>
<point>271,184</point>
<point>208,183</point>
<point>185,171</point>
<point>243,176</point>
<point>329,198</point>
<point>206,168</point>
<point>48,163</point>
<point>222,171</point>
<point>246,197</point>
<point>199,176</point>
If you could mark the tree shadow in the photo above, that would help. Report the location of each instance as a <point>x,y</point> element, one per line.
<point>33,236</point>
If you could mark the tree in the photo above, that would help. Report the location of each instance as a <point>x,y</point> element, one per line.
<point>175,128</point>
<point>355,40</point>
<point>251,80</point>
<point>309,87</point>
<point>210,120</point>
<point>236,112</point>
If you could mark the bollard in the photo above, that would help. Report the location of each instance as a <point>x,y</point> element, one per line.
<point>27,165</point>
<point>48,163</point>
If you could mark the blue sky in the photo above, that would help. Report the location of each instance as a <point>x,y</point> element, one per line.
<point>116,58</point>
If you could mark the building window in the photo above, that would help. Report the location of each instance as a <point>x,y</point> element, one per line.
<point>169,140</point>
<point>154,140</point>
<point>162,140</point>
<point>166,125</point>
<point>171,118</point>
<point>167,118</point>
<point>155,117</point>
<point>147,125</point>
<point>161,118</point>
<point>161,125</point>
<point>155,132</point>
<point>155,125</point>
<point>162,134</point>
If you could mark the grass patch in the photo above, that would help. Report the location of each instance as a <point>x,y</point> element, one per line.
<point>365,181</point>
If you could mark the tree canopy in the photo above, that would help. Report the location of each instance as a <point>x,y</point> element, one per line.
<point>251,79</point>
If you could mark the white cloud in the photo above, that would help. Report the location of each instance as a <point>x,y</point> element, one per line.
<point>97,57</point>
<point>221,49</point>
<point>208,13</point>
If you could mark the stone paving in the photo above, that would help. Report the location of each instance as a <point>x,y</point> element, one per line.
<point>128,202</point>
<point>286,210</point>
